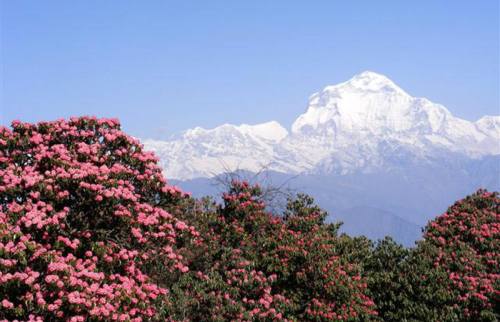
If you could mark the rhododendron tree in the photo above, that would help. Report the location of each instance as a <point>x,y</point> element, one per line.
<point>81,231</point>
<point>258,266</point>
<point>467,243</point>
<point>452,274</point>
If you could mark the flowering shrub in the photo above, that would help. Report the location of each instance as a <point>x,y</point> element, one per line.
<point>467,242</point>
<point>81,230</point>
<point>260,267</point>
<point>452,274</point>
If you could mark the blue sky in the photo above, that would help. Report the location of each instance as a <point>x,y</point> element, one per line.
<point>165,66</point>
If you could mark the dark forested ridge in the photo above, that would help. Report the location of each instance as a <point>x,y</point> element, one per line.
<point>91,230</point>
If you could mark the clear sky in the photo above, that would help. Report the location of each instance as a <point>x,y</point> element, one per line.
<point>165,66</point>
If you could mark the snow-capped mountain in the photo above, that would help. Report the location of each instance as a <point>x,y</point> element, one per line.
<point>363,125</point>
<point>376,158</point>
<point>206,153</point>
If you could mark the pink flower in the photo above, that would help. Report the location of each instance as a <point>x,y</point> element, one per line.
<point>181,225</point>
<point>7,304</point>
<point>36,138</point>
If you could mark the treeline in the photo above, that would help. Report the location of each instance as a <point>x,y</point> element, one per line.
<point>90,230</point>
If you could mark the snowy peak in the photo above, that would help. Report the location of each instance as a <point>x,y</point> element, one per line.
<point>269,131</point>
<point>367,81</point>
<point>365,124</point>
<point>371,103</point>
<point>203,152</point>
<point>489,124</point>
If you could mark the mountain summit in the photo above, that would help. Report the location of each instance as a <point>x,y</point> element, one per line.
<point>368,101</point>
<point>362,125</point>
<point>368,81</point>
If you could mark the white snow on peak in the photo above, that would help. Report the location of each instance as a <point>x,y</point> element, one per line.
<point>367,81</point>
<point>270,131</point>
<point>203,152</point>
<point>367,102</point>
<point>489,124</point>
<point>362,124</point>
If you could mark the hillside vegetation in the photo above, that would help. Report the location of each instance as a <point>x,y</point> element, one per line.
<point>91,231</point>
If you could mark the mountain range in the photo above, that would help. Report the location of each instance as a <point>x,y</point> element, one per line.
<point>375,157</point>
